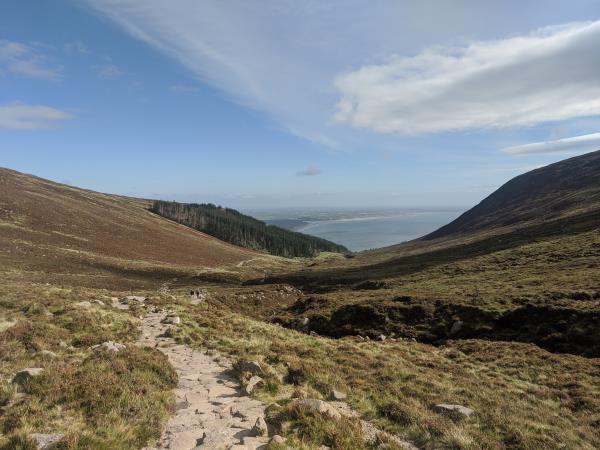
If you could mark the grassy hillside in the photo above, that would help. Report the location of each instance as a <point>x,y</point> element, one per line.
<point>566,188</point>
<point>533,281</point>
<point>231,226</point>
<point>63,231</point>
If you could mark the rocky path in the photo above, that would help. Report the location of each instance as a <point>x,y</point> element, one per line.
<point>211,410</point>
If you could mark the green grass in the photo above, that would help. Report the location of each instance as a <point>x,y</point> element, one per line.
<point>99,400</point>
<point>524,397</point>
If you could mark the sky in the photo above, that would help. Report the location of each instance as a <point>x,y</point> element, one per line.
<point>279,103</point>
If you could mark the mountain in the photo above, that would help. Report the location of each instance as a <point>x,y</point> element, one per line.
<point>62,229</point>
<point>520,266</point>
<point>231,226</point>
<point>568,188</point>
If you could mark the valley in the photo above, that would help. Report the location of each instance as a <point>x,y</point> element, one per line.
<point>496,312</point>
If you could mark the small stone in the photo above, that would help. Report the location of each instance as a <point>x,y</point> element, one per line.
<point>260,427</point>
<point>84,304</point>
<point>319,406</point>
<point>109,346</point>
<point>237,412</point>
<point>23,375</point>
<point>381,337</point>
<point>46,441</point>
<point>254,383</point>
<point>252,367</point>
<point>277,439</point>
<point>445,408</point>
<point>456,327</point>
<point>48,354</point>
<point>337,396</point>
<point>172,320</point>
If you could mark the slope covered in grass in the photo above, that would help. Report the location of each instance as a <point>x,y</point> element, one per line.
<point>62,230</point>
<point>565,188</point>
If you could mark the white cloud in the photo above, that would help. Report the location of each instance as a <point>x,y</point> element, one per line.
<point>28,117</point>
<point>109,72</point>
<point>21,59</point>
<point>571,145</point>
<point>310,171</point>
<point>548,75</point>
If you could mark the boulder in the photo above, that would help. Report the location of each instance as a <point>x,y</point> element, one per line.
<point>277,440</point>
<point>46,441</point>
<point>337,396</point>
<point>135,298</point>
<point>445,408</point>
<point>315,406</point>
<point>23,375</point>
<point>252,367</point>
<point>260,427</point>
<point>381,337</point>
<point>109,346</point>
<point>48,353</point>
<point>254,383</point>
<point>456,327</point>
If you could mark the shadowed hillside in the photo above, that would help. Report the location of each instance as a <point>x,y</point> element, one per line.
<point>562,189</point>
<point>500,271</point>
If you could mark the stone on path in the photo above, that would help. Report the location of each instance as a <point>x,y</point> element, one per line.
<point>254,383</point>
<point>260,427</point>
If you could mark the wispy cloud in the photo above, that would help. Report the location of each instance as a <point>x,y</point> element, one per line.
<point>29,117</point>
<point>571,145</point>
<point>21,59</point>
<point>548,75</point>
<point>310,171</point>
<point>109,71</point>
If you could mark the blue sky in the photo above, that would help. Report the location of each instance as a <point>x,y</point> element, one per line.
<point>284,103</point>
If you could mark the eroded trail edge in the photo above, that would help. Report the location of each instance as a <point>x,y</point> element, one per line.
<point>212,412</point>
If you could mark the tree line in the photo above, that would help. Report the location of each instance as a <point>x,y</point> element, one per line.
<point>236,228</point>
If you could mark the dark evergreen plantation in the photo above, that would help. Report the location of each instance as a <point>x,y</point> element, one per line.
<point>231,226</point>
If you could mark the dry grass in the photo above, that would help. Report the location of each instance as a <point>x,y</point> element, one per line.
<point>98,400</point>
<point>524,397</point>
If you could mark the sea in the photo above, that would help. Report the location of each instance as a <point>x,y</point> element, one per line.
<point>360,228</point>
